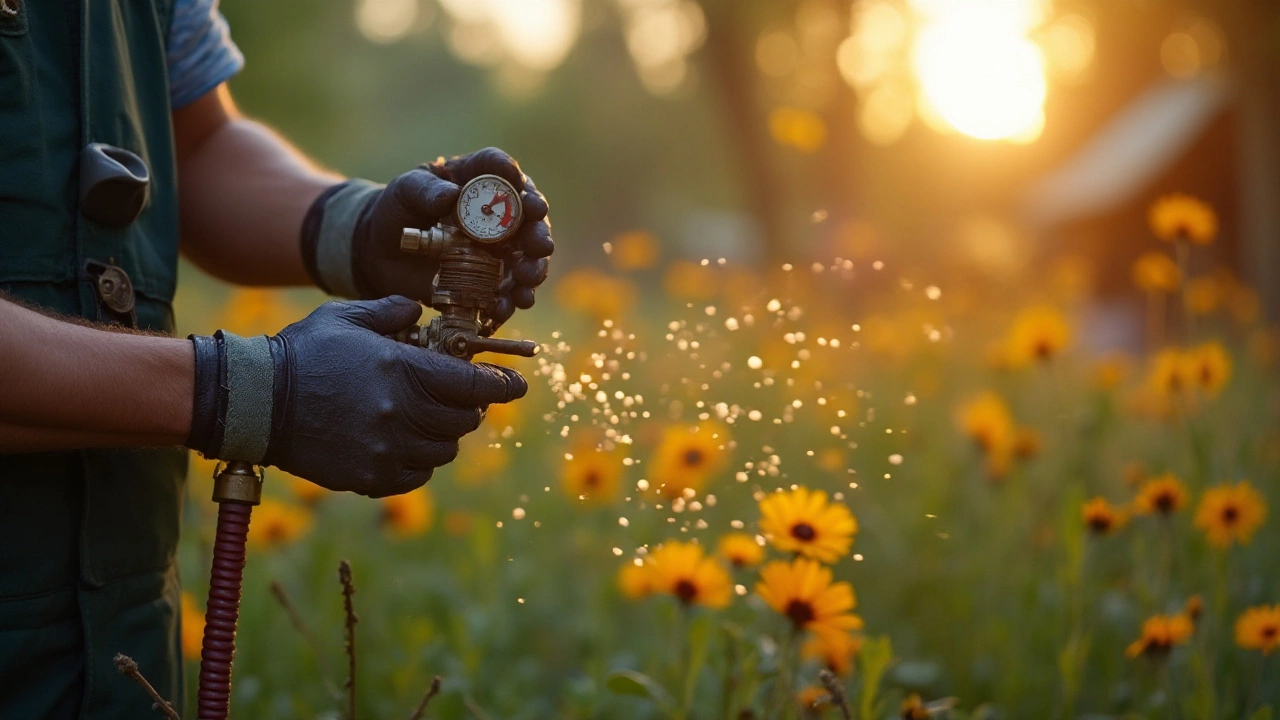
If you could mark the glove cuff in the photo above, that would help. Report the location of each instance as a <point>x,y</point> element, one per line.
<point>234,397</point>
<point>328,235</point>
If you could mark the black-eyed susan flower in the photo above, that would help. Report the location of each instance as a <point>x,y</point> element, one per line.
<point>192,627</point>
<point>1102,517</point>
<point>1111,370</point>
<point>1155,271</point>
<point>595,294</point>
<point>802,592</point>
<point>684,571</point>
<point>687,457</point>
<point>686,280</point>
<point>986,419</point>
<point>635,580</point>
<point>276,523</point>
<point>485,460</point>
<point>592,475</point>
<point>913,708</point>
<point>1258,628</point>
<point>1183,217</point>
<point>1204,295</point>
<point>740,550</point>
<point>412,513</point>
<point>1194,608</point>
<point>1164,494</point>
<point>634,250</point>
<point>307,492</point>
<point>1171,373</point>
<point>812,698</point>
<point>1159,634</point>
<point>1230,514</point>
<point>1038,334</point>
<point>1027,443</point>
<point>804,521</point>
<point>1209,366</point>
<point>834,650</point>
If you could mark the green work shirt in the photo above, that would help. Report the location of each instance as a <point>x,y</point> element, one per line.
<point>87,539</point>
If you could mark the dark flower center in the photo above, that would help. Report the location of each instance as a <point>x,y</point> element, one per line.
<point>1043,349</point>
<point>693,457</point>
<point>591,479</point>
<point>1164,502</point>
<point>800,612</point>
<point>1230,514</point>
<point>803,532</point>
<point>1099,523</point>
<point>686,591</point>
<point>1270,632</point>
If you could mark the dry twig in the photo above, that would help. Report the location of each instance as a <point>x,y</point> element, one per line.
<point>432,691</point>
<point>295,618</point>
<point>349,589</point>
<point>127,667</point>
<point>835,690</point>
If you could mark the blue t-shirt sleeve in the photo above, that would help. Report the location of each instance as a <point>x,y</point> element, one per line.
<point>201,54</point>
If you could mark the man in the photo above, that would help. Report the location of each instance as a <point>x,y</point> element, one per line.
<point>119,136</point>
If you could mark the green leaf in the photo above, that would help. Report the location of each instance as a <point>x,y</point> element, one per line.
<point>875,657</point>
<point>637,684</point>
<point>699,639</point>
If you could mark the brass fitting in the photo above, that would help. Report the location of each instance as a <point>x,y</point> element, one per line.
<point>237,481</point>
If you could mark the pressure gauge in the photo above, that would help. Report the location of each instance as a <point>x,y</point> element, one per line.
<point>489,209</point>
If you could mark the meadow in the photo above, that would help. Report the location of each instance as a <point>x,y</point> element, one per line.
<point>725,480</point>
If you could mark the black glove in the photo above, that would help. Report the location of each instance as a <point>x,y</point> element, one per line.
<point>351,236</point>
<point>332,400</point>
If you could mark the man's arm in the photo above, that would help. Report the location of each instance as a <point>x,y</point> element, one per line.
<point>66,385</point>
<point>243,192</point>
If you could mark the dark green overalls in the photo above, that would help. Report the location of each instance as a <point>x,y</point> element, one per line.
<point>87,539</point>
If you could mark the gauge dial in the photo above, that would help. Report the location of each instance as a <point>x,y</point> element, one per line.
<point>489,209</point>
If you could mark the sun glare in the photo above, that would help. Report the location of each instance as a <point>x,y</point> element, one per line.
<point>978,70</point>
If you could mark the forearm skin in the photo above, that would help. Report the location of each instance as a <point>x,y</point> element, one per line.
<point>66,385</point>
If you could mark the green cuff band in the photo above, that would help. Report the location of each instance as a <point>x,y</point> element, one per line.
<point>337,232</point>
<point>250,380</point>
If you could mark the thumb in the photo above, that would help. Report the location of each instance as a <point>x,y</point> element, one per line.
<point>385,316</point>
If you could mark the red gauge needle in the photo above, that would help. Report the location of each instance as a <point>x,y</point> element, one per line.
<point>508,216</point>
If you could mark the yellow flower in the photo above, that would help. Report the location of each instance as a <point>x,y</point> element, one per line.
<point>1209,366</point>
<point>1027,443</point>
<point>1230,514</point>
<point>1164,494</point>
<point>1204,295</point>
<point>634,250</point>
<point>1155,271</point>
<point>1172,373</point>
<point>1102,517</point>
<point>192,627</point>
<point>1245,305</point>
<point>1178,216</point>
<point>690,281</point>
<point>740,550</point>
<point>275,523</point>
<point>592,475</point>
<point>480,461</point>
<point>913,708</point>
<point>595,294</point>
<point>802,521</point>
<point>802,591</point>
<point>835,650</point>
<point>987,420</point>
<point>1159,634</point>
<point>307,492</point>
<point>1194,608</point>
<point>1038,334</point>
<point>832,460</point>
<point>687,457</point>
<point>254,311</point>
<point>800,129</point>
<point>1258,628</point>
<point>457,523</point>
<point>812,698</point>
<point>635,581</point>
<point>683,570</point>
<point>1111,370</point>
<point>409,514</point>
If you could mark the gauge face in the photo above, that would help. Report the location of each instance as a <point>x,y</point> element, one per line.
<point>489,209</point>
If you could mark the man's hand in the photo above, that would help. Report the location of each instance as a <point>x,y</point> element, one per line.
<point>376,217</point>
<point>347,407</point>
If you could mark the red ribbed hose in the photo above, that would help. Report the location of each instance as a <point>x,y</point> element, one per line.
<point>225,577</point>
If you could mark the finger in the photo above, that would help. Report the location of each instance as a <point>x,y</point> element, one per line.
<point>447,423</point>
<point>385,316</point>
<point>472,385</point>
<point>408,480</point>
<point>534,204</point>
<point>534,239</point>
<point>522,297</point>
<point>424,196</point>
<point>530,272</point>
<point>503,311</point>
<point>499,384</point>
<point>489,161</point>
